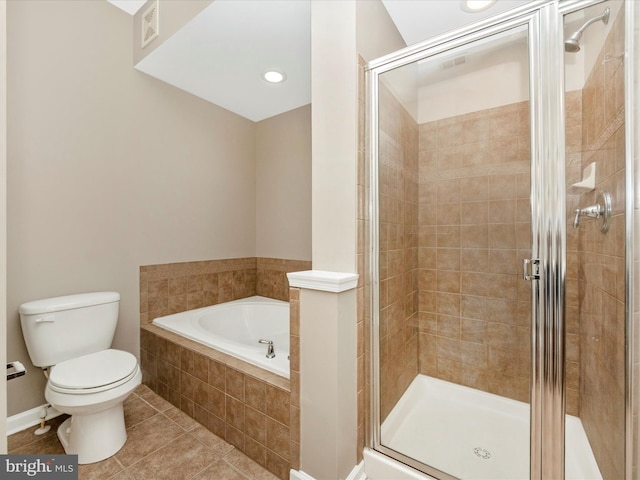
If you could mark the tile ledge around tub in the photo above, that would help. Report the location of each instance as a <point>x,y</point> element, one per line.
<point>322,280</point>
<point>228,360</point>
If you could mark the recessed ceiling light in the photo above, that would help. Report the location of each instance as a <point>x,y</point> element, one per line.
<point>474,6</point>
<point>274,76</point>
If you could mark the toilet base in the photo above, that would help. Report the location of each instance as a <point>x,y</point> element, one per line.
<point>94,437</point>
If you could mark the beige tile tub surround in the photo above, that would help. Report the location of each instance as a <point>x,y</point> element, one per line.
<point>177,287</point>
<point>242,404</point>
<point>294,353</point>
<point>271,279</point>
<point>251,408</point>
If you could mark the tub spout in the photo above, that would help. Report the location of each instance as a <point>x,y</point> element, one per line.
<point>270,351</point>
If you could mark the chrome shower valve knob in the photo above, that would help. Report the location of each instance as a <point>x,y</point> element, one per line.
<point>601,210</point>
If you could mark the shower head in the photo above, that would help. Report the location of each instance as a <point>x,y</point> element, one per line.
<point>572,44</point>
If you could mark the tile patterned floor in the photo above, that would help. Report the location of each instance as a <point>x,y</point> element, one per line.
<point>163,443</point>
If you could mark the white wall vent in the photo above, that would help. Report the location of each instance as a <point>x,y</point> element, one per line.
<point>150,24</point>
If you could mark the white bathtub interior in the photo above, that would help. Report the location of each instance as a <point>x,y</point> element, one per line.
<point>473,434</point>
<point>235,328</point>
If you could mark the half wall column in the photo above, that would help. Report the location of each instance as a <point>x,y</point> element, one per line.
<point>328,413</point>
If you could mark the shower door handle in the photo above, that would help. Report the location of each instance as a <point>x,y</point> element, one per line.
<point>531,269</point>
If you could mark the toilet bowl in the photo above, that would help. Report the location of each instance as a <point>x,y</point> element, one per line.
<point>86,378</point>
<point>92,389</point>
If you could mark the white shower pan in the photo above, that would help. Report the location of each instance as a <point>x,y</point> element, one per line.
<point>472,434</point>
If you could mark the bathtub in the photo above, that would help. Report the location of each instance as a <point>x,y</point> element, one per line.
<point>236,327</point>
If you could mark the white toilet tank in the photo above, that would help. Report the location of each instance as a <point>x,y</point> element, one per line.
<point>61,328</point>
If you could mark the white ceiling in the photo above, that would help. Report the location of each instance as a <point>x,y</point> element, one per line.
<point>129,6</point>
<point>418,20</point>
<point>221,54</point>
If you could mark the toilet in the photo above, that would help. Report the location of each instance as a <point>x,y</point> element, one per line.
<point>70,338</point>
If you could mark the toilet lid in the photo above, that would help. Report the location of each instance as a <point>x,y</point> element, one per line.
<point>94,372</point>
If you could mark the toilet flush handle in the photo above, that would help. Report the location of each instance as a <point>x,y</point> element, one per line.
<point>47,319</point>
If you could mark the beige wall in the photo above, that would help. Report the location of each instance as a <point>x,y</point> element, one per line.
<point>334,145</point>
<point>3,222</point>
<point>283,185</point>
<point>376,34</point>
<point>109,169</point>
<point>328,429</point>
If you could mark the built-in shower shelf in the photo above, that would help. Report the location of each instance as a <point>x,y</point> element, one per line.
<point>588,182</point>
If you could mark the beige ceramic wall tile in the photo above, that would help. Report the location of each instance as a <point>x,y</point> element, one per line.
<point>468,303</point>
<point>399,215</point>
<point>234,401</point>
<point>599,353</point>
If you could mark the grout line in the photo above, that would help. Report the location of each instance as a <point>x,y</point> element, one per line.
<point>159,411</point>
<point>237,469</point>
<point>217,460</point>
<point>220,455</point>
<point>128,427</point>
<point>119,463</point>
<point>184,430</point>
<point>154,451</point>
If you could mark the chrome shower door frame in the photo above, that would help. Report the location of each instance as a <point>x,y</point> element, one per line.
<point>542,20</point>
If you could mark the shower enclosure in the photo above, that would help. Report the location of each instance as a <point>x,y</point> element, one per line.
<point>500,247</point>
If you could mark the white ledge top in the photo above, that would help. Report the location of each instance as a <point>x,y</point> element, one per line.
<point>326,281</point>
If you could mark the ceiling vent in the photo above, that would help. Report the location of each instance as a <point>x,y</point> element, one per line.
<point>454,62</point>
<point>150,24</point>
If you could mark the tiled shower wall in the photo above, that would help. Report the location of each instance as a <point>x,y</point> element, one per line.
<point>474,310</point>
<point>602,261</point>
<point>573,169</point>
<point>474,233</point>
<point>398,191</point>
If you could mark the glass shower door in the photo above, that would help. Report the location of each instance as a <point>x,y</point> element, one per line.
<point>454,226</point>
<point>501,275</point>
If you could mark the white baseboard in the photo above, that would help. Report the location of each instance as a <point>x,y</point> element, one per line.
<point>299,475</point>
<point>356,474</point>
<point>21,421</point>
